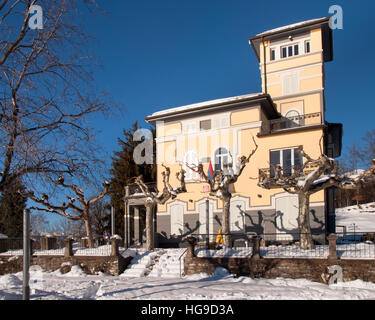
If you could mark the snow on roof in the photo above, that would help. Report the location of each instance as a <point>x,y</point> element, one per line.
<point>204,104</point>
<point>290,26</point>
<point>3,236</point>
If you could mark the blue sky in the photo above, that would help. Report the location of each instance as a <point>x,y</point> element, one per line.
<point>161,54</point>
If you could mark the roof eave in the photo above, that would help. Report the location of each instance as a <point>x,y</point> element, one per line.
<point>264,99</point>
<point>267,35</point>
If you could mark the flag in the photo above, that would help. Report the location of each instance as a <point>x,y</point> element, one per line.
<point>210,172</point>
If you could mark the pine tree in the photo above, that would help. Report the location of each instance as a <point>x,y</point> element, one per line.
<point>12,204</point>
<point>123,169</point>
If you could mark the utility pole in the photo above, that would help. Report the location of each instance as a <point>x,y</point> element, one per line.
<point>26,255</point>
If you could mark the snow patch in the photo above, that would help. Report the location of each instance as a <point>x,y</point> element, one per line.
<point>10,281</point>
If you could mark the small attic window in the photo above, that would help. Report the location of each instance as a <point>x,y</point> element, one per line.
<point>273,54</point>
<point>205,124</point>
<point>307,46</point>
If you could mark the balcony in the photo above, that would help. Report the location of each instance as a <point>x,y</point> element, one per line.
<point>133,190</point>
<point>284,124</point>
<point>267,175</point>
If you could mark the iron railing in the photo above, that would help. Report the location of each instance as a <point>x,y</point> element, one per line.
<point>287,245</point>
<point>267,175</point>
<point>354,245</point>
<point>289,123</point>
<point>132,190</point>
<point>41,246</point>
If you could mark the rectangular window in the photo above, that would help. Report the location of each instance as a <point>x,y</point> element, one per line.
<point>287,162</point>
<point>205,124</point>
<point>290,51</point>
<point>289,159</point>
<point>274,161</point>
<point>283,52</point>
<point>273,54</point>
<point>296,49</point>
<point>307,46</point>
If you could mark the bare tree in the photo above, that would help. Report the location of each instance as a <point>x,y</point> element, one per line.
<point>368,149</point>
<point>221,186</point>
<point>46,93</point>
<point>323,175</point>
<point>75,209</point>
<point>67,228</point>
<point>154,198</point>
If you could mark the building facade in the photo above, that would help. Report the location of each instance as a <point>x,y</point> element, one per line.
<point>287,113</point>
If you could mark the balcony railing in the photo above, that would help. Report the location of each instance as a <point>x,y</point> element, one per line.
<point>268,174</point>
<point>290,123</point>
<point>133,190</point>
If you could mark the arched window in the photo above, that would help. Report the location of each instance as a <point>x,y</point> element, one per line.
<point>191,158</point>
<point>294,119</point>
<point>221,158</point>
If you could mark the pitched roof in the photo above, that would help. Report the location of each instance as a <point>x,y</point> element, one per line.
<point>292,26</point>
<point>296,27</point>
<point>210,105</point>
<point>203,104</point>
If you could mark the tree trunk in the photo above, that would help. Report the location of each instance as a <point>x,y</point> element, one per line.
<point>226,219</point>
<point>88,229</point>
<point>304,221</point>
<point>150,226</point>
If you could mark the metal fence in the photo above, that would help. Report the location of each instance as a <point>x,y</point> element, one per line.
<point>287,245</point>
<point>41,246</point>
<point>356,245</point>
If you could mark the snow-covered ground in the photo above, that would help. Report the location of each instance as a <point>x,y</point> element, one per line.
<point>356,218</point>
<point>220,286</point>
<point>155,275</point>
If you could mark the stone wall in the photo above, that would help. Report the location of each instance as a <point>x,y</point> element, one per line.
<point>113,265</point>
<point>311,269</point>
<point>296,268</point>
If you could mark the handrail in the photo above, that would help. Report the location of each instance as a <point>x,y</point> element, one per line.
<point>179,259</point>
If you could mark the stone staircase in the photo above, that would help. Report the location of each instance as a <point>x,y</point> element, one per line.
<point>168,265</point>
<point>159,263</point>
<point>141,265</point>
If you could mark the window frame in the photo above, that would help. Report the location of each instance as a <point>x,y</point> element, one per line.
<point>298,48</point>
<point>273,53</point>
<point>307,44</point>
<point>281,159</point>
<point>221,157</point>
<point>205,121</point>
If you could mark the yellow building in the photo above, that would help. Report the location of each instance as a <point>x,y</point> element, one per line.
<point>288,112</point>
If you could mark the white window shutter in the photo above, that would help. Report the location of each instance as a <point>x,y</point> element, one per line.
<point>290,83</point>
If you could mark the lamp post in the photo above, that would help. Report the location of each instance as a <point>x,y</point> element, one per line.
<point>26,255</point>
<point>112,221</point>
